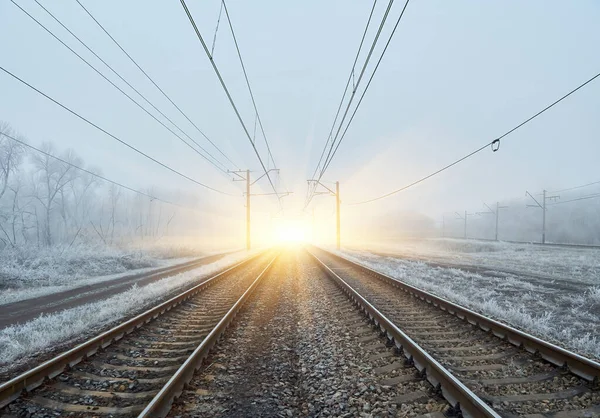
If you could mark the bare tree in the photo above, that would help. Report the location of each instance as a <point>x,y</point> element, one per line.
<point>52,176</point>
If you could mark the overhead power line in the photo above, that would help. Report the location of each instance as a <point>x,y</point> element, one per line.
<point>205,47</point>
<point>576,187</point>
<point>111,135</point>
<point>495,142</point>
<point>224,170</point>
<point>350,78</point>
<point>101,177</point>
<point>360,77</point>
<point>154,83</point>
<point>248,82</point>
<point>367,87</point>
<point>592,196</point>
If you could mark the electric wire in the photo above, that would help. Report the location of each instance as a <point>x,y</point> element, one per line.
<point>355,88</point>
<point>129,84</point>
<point>481,148</point>
<point>593,196</point>
<point>362,40</point>
<point>576,187</point>
<point>151,197</point>
<point>367,86</point>
<point>205,47</point>
<point>113,136</point>
<point>362,72</point>
<point>248,82</point>
<point>310,193</point>
<point>115,86</point>
<point>154,83</point>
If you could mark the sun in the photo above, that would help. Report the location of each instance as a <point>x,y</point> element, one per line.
<point>290,231</point>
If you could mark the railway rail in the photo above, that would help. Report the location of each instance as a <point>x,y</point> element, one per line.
<point>471,359</point>
<point>138,367</point>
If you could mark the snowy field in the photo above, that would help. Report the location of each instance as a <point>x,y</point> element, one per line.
<point>567,314</point>
<point>577,264</point>
<point>46,331</point>
<point>27,273</point>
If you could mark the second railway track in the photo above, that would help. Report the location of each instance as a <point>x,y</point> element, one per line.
<point>141,365</point>
<point>512,374</point>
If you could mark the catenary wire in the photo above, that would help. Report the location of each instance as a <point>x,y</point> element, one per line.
<point>117,87</point>
<point>576,187</point>
<point>592,196</point>
<point>362,40</point>
<point>310,193</point>
<point>101,177</point>
<point>248,82</point>
<point>129,84</point>
<point>362,73</point>
<point>367,86</point>
<point>113,136</point>
<point>205,47</point>
<point>154,83</point>
<point>481,148</point>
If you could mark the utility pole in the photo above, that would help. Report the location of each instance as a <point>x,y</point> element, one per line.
<point>247,209</point>
<point>240,177</point>
<point>493,212</point>
<point>337,210</point>
<point>543,207</point>
<point>465,221</point>
<point>337,206</point>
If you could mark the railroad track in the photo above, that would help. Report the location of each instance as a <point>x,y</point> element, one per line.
<point>140,366</point>
<point>488,368</point>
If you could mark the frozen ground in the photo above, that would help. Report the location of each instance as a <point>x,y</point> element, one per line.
<point>46,331</point>
<point>568,315</point>
<point>27,273</point>
<point>577,264</point>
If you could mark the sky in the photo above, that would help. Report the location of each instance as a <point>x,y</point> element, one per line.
<point>456,75</point>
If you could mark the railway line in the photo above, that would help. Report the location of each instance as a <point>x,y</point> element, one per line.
<point>516,374</point>
<point>138,366</point>
<point>320,336</point>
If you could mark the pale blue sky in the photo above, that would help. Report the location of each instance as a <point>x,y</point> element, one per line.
<point>457,74</point>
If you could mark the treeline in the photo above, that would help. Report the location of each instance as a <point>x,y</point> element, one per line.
<point>46,202</point>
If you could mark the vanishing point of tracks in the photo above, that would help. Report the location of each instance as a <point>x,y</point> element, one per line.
<point>437,357</point>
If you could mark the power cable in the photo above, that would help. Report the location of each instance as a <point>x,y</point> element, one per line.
<point>346,88</point>
<point>310,193</point>
<point>593,196</point>
<point>204,46</point>
<point>94,174</point>
<point>248,82</point>
<point>367,87</point>
<point>119,89</point>
<point>362,72</point>
<point>495,142</point>
<point>154,83</point>
<point>111,135</point>
<point>576,187</point>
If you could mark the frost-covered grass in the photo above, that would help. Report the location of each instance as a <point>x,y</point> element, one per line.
<point>48,330</point>
<point>60,265</point>
<point>28,272</point>
<point>578,264</point>
<point>568,316</point>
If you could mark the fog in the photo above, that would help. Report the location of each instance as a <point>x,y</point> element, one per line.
<point>456,76</point>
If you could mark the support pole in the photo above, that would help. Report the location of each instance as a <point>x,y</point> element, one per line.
<point>544,220</point>
<point>337,205</point>
<point>247,209</point>
<point>497,211</point>
<point>465,224</point>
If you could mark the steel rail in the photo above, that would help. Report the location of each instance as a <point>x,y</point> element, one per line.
<point>160,405</point>
<point>33,378</point>
<point>577,364</point>
<point>461,398</point>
